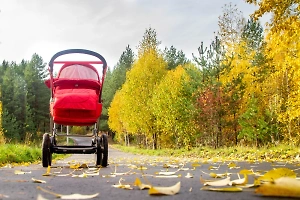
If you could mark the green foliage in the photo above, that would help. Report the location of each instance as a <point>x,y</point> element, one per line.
<point>174,58</point>
<point>24,98</point>
<point>254,128</point>
<point>174,110</point>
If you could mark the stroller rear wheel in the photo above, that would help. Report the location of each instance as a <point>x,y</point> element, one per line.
<point>105,150</point>
<point>46,154</point>
<point>102,151</point>
<point>99,152</point>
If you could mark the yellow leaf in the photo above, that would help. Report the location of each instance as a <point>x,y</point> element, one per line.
<point>277,173</point>
<point>71,196</point>
<point>37,181</point>
<point>281,187</point>
<point>196,165</point>
<point>223,189</point>
<point>246,171</point>
<point>231,165</point>
<point>165,190</point>
<point>241,181</point>
<point>142,186</point>
<point>222,182</point>
<point>122,186</point>
<point>75,166</point>
<point>19,172</point>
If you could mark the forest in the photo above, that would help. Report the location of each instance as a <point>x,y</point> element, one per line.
<point>242,89</point>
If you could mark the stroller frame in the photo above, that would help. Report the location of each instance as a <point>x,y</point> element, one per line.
<point>99,144</point>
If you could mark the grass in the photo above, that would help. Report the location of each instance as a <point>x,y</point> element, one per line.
<point>26,154</point>
<point>275,153</point>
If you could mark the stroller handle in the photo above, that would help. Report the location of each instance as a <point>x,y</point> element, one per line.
<point>82,51</point>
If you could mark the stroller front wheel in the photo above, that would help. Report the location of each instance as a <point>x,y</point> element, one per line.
<point>46,154</point>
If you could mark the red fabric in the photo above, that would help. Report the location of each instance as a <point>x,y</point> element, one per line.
<point>76,96</point>
<point>82,99</point>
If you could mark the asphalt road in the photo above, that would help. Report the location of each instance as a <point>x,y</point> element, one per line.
<point>121,166</point>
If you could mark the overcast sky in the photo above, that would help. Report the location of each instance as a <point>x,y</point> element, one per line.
<point>105,26</point>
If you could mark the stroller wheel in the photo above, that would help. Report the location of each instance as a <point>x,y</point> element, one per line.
<point>46,154</point>
<point>105,150</point>
<point>99,152</point>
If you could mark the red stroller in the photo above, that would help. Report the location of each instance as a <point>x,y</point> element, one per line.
<point>76,101</point>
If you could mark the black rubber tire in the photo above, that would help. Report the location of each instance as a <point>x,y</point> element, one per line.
<point>105,150</point>
<point>99,152</point>
<point>46,154</point>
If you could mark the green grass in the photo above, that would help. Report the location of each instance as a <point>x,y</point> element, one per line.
<point>275,153</point>
<point>22,154</point>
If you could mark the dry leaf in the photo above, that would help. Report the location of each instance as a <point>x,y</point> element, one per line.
<point>167,173</point>
<point>168,176</point>
<point>165,190</point>
<point>83,175</point>
<point>37,181</point>
<point>71,196</point>
<point>277,173</point>
<point>246,171</point>
<point>241,181</point>
<point>222,182</point>
<point>122,186</point>
<point>141,185</point>
<point>281,187</point>
<point>189,175</point>
<point>223,189</point>
<point>40,197</point>
<point>232,165</point>
<point>19,172</point>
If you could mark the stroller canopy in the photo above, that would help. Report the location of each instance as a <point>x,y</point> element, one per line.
<point>78,72</point>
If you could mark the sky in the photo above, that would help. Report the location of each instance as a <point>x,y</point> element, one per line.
<point>106,26</point>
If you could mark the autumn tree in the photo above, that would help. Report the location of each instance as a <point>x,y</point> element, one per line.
<point>174,108</point>
<point>230,23</point>
<point>114,80</point>
<point>146,72</point>
<point>283,52</point>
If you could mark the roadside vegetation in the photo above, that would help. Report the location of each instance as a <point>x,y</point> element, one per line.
<point>282,153</point>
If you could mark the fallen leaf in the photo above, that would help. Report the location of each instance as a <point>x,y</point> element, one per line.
<point>168,176</point>
<point>83,175</point>
<point>167,173</point>
<point>84,165</point>
<point>122,186</point>
<point>40,197</point>
<point>281,187</point>
<point>222,182</point>
<point>165,190</point>
<point>223,189</point>
<point>246,171</point>
<point>189,175</point>
<point>37,181</point>
<point>277,173</point>
<point>71,196</point>
<point>141,185</point>
<point>19,172</point>
<point>241,181</point>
